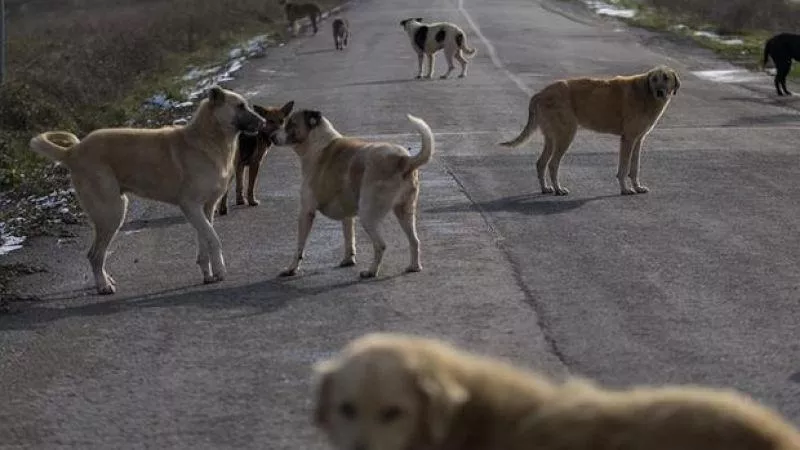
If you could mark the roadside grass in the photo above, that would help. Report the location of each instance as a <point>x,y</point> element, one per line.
<point>752,22</point>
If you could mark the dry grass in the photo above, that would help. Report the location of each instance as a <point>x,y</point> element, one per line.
<point>85,64</point>
<point>738,16</point>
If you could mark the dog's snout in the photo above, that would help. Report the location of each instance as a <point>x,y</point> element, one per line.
<point>660,93</point>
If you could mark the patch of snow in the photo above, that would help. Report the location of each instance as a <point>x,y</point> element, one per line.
<point>716,37</point>
<point>729,75</point>
<point>609,9</point>
<point>9,242</point>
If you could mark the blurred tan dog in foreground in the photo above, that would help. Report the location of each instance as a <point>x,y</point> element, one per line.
<point>188,166</point>
<point>625,106</point>
<point>395,392</point>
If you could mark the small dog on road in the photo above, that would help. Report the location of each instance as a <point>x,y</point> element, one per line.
<point>250,152</point>
<point>189,166</point>
<point>783,48</point>
<point>397,392</point>
<point>429,38</point>
<point>346,177</point>
<point>626,106</point>
<point>341,33</point>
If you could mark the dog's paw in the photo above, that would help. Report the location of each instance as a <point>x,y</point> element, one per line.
<point>561,191</point>
<point>414,268</point>
<point>288,273</point>
<point>106,290</point>
<point>547,190</point>
<point>443,77</point>
<point>253,202</point>
<point>462,75</point>
<point>240,200</point>
<point>418,77</point>
<point>211,279</point>
<point>350,261</point>
<point>641,189</point>
<point>627,191</point>
<point>367,274</point>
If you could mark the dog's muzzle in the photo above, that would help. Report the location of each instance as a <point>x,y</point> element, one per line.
<point>661,93</point>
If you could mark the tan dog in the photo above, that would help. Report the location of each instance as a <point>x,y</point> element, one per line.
<point>188,166</point>
<point>250,152</point>
<point>626,106</point>
<point>296,11</point>
<point>395,392</point>
<point>345,177</point>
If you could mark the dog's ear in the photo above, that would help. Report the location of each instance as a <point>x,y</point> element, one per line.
<point>313,118</point>
<point>442,398</point>
<point>323,374</point>
<point>216,96</point>
<point>677,80</point>
<point>260,110</point>
<point>287,108</point>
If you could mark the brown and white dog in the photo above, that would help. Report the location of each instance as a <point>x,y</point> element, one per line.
<point>396,392</point>
<point>429,38</point>
<point>188,166</point>
<point>250,153</point>
<point>626,106</point>
<point>341,33</point>
<point>346,177</point>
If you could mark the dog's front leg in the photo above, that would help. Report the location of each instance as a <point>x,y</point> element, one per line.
<point>430,66</point>
<point>304,223</point>
<point>240,183</point>
<point>625,152</point>
<point>348,228</point>
<point>209,246</point>
<point>635,164</point>
<point>420,55</point>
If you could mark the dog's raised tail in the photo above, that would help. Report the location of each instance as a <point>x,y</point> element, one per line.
<point>426,152</point>
<point>530,127</point>
<point>53,144</point>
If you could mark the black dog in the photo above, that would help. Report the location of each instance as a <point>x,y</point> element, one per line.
<point>783,48</point>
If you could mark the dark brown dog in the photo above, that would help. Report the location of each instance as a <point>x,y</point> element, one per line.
<point>252,148</point>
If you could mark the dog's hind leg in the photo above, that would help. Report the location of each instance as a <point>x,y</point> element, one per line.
<point>561,145</point>
<point>633,173</point>
<point>406,216</point>
<point>626,150</point>
<point>448,54</point>
<point>106,208</point>
<point>463,61</point>
<point>209,248</point>
<point>372,209</point>
<point>782,68</point>
<point>348,229</point>
<point>541,165</point>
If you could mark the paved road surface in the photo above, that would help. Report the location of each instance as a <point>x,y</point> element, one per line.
<point>695,282</point>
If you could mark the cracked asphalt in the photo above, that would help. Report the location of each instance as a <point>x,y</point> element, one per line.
<point>695,282</point>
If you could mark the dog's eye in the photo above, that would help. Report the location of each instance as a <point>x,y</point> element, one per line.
<point>390,414</point>
<point>347,410</point>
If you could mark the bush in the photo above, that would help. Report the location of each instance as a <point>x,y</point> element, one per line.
<point>735,16</point>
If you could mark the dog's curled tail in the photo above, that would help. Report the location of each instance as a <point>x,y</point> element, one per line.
<point>530,127</point>
<point>426,152</point>
<point>54,144</point>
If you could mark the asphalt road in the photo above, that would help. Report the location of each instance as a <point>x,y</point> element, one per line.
<point>696,281</point>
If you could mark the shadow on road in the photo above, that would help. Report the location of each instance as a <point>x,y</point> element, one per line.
<point>529,204</point>
<point>259,298</point>
<point>382,82</point>
<point>162,222</point>
<point>771,119</point>
<point>316,52</point>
